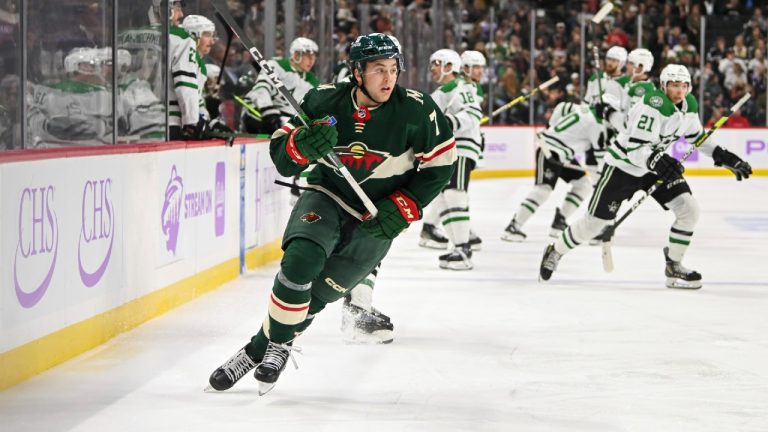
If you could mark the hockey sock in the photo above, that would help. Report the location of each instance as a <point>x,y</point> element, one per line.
<point>362,294</point>
<point>302,261</point>
<point>580,231</point>
<point>455,217</point>
<point>432,215</point>
<point>536,197</point>
<point>580,190</point>
<point>686,210</point>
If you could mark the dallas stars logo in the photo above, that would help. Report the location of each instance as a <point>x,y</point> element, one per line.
<point>548,174</point>
<point>613,207</point>
<point>310,217</point>
<point>358,157</point>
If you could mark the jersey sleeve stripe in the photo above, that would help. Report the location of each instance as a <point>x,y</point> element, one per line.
<point>185,84</point>
<point>440,148</point>
<point>184,73</point>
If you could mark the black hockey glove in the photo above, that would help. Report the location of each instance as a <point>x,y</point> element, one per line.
<point>739,167</point>
<point>194,131</point>
<point>217,125</point>
<point>75,128</point>
<point>603,110</point>
<point>270,123</point>
<point>665,166</point>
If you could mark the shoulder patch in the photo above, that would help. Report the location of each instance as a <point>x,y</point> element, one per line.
<point>638,90</point>
<point>655,101</point>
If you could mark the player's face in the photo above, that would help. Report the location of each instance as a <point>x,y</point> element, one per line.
<point>630,69</point>
<point>177,14</point>
<point>380,78</point>
<point>205,43</point>
<point>611,66</point>
<point>305,61</point>
<point>476,73</point>
<point>436,67</point>
<point>676,91</point>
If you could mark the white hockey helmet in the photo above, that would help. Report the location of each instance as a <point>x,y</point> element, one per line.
<point>212,71</point>
<point>80,57</point>
<point>641,57</point>
<point>617,53</point>
<point>447,56</point>
<point>302,45</point>
<point>675,73</point>
<point>472,58</point>
<point>196,25</point>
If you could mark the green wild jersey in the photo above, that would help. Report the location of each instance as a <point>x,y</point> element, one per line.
<point>655,123</point>
<point>265,97</point>
<point>578,130</point>
<point>461,100</point>
<point>405,144</point>
<point>184,98</point>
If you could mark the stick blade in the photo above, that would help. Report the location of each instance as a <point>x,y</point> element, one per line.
<point>602,13</point>
<point>607,257</point>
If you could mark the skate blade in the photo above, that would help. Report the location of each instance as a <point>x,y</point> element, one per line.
<point>264,388</point>
<point>209,389</point>
<point>431,244</point>
<point>512,238</point>
<point>377,337</point>
<point>476,248</point>
<point>681,284</point>
<point>455,266</point>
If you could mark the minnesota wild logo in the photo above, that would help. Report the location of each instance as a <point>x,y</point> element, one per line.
<point>310,217</point>
<point>358,157</point>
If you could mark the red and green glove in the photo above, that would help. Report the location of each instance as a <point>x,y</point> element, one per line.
<point>396,212</point>
<point>310,143</point>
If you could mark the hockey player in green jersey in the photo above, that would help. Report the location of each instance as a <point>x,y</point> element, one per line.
<point>459,102</point>
<point>397,145</point>
<point>639,64</point>
<point>573,129</point>
<point>636,160</point>
<point>295,72</point>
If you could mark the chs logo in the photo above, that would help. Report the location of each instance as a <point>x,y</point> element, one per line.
<point>97,230</point>
<point>38,245</point>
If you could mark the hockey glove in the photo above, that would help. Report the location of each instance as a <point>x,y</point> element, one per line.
<point>310,143</point>
<point>194,131</point>
<point>396,212</point>
<point>735,164</point>
<point>665,166</point>
<point>270,123</point>
<point>218,125</point>
<point>604,111</point>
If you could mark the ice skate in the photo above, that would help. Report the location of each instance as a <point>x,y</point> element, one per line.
<point>361,326</point>
<point>548,262</point>
<point>558,224</point>
<point>475,242</point>
<point>512,232</point>
<point>679,276</point>
<point>432,238</point>
<point>231,371</point>
<point>458,259</point>
<point>275,360</point>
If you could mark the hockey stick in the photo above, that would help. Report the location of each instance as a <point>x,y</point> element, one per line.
<point>226,51</point>
<point>519,99</point>
<point>248,106</point>
<point>331,158</point>
<point>611,229</point>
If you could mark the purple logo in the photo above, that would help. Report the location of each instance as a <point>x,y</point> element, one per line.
<point>97,227</point>
<point>754,146</point>
<point>219,198</point>
<point>38,244</point>
<point>171,214</point>
<point>496,147</point>
<point>681,147</point>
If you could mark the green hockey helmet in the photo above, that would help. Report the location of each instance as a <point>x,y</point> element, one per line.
<point>375,46</point>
